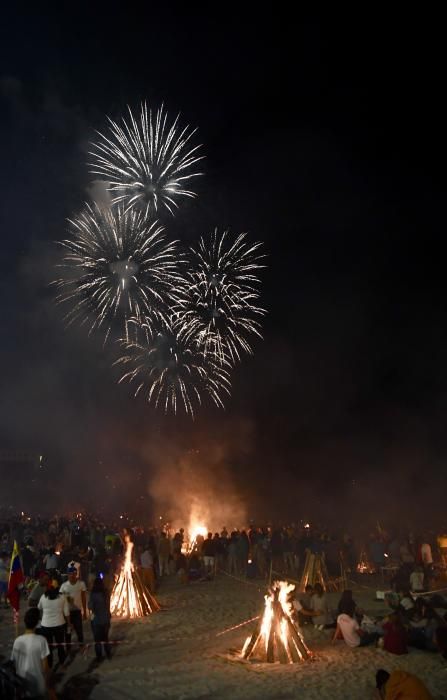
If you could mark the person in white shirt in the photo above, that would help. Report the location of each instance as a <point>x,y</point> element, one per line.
<point>55,616</point>
<point>349,629</point>
<point>417,580</point>
<point>30,654</point>
<point>51,560</point>
<point>75,591</point>
<point>320,607</point>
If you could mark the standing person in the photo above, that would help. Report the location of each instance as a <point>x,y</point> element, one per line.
<point>208,553</point>
<point>51,560</point>
<point>75,591</point>
<point>4,577</point>
<point>147,568</point>
<point>38,590</point>
<point>288,553</point>
<point>99,605</point>
<point>55,616</point>
<point>417,580</point>
<point>30,654</point>
<point>219,551</point>
<point>232,555</point>
<point>427,563</point>
<point>426,554</point>
<point>276,546</point>
<point>164,551</point>
<point>242,547</point>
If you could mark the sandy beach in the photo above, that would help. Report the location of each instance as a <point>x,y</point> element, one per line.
<point>179,654</point>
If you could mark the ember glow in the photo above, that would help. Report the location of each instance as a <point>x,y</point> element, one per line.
<point>277,636</point>
<point>130,598</point>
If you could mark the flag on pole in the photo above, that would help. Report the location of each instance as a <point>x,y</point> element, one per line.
<point>16,577</point>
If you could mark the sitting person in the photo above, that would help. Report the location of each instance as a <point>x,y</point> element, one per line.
<point>417,580</point>
<point>349,629</point>
<point>319,605</point>
<point>302,612</point>
<point>400,684</point>
<point>394,635</point>
<point>306,597</point>
<point>348,605</point>
<point>406,603</point>
<point>423,625</point>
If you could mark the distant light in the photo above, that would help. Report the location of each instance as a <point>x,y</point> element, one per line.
<point>121,517</point>
<point>249,561</point>
<point>307,526</point>
<point>386,555</point>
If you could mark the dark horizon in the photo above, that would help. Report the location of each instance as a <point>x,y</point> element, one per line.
<point>325,141</point>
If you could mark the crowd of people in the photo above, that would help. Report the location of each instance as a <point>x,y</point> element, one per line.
<point>70,565</point>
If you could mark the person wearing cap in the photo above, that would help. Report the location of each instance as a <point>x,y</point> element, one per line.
<point>400,684</point>
<point>75,591</point>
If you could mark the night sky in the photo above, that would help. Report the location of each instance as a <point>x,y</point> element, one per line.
<point>325,140</point>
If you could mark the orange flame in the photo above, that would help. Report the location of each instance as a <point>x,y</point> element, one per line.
<point>129,597</point>
<point>278,628</point>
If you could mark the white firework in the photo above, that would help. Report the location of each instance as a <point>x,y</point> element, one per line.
<point>170,371</point>
<point>218,304</point>
<point>117,265</point>
<point>147,161</point>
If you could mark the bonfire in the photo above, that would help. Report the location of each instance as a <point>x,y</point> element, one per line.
<point>364,566</point>
<point>277,636</point>
<point>130,597</point>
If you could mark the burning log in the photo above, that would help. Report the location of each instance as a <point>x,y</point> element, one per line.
<point>277,636</point>
<point>130,597</point>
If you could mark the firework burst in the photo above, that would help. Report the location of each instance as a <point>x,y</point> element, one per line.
<point>116,266</point>
<point>171,372</point>
<point>218,307</point>
<point>147,161</point>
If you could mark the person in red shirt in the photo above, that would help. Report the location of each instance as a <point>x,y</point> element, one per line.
<point>395,636</point>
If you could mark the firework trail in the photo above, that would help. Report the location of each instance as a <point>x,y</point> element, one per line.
<point>218,308</point>
<point>116,266</point>
<point>171,372</point>
<point>146,161</point>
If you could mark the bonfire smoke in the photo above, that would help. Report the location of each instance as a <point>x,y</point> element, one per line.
<point>195,487</point>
